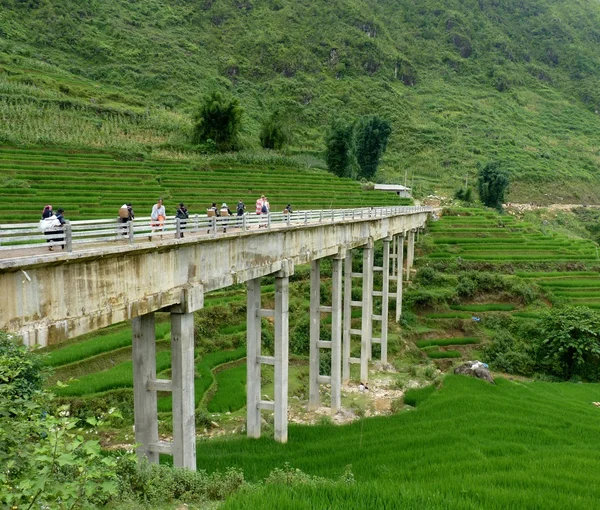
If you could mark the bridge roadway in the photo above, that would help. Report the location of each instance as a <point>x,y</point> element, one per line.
<point>53,296</point>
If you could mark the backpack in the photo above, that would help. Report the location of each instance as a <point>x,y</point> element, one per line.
<point>264,209</point>
<point>240,207</point>
<point>124,213</point>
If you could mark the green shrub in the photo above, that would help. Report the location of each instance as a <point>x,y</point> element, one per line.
<point>21,371</point>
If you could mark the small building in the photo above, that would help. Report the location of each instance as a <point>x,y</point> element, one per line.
<point>401,191</point>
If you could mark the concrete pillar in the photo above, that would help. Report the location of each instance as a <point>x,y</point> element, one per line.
<point>394,256</point>
<point>336,334</point>
<point>144,399</point>
<point>410,253</point>
<point>399,276</point>
<point>253,352</point>
<point>282,284</point>
<point>347,317</point>
<point>182,369</point>
<point>315,333</point>
<point>367,311</point>
<point>385,299</point>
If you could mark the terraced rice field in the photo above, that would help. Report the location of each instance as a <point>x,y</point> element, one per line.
<point>489,237</point>
<point>90,185</point>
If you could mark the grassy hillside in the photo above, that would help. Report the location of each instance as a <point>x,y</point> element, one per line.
<point>462,82</point>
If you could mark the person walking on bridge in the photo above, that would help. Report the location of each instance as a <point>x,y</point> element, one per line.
<point>158,217</point>
<point>182,215</point>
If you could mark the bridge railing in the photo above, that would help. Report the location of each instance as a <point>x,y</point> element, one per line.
<point>23,236</point>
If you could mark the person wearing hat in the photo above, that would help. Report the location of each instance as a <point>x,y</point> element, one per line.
<point>224,212</point>
<point>182,214</point>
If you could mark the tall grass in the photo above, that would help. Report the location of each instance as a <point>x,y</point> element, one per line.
<point>231,390</point>
<point>491,307</point>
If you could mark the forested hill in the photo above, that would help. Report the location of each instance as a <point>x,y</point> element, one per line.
<point>462,81</point>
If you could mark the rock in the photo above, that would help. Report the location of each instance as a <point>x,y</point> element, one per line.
<point>214,424</point>
<point>475,369</point>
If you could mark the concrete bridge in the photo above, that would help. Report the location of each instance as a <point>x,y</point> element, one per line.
<point>49,297</point>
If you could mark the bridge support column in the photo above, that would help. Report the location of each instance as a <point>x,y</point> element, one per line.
<point>253,353</point>
<point>385,299</point>
<point>336,334</point>
<point>255,359</point>
<point>347,318</point>
<point>367,311</point>
<point>410,252</point>
<point>400,251</point>
<point>282,285</point>
<point>182,380</point>
<point>315,378</point>
<point>144,398</point>
<point>315,334</point>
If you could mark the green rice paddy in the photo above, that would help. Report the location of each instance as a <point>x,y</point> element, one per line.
<point>469,445</point>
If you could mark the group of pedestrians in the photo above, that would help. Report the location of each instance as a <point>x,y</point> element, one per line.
<point>51,222</point>
<point>51,225</point>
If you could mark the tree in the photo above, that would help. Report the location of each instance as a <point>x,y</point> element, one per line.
<point>492,183</point>
<point>570,343</point>
<point>370,141</point>
<point>218,119</point>
<point>273,131</point>
<point>339,153</point>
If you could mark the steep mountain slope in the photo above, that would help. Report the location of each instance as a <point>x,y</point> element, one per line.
<point>463,81</point>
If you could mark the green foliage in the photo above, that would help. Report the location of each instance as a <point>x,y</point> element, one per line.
<point>339,149</point>
<point>433,354</point>
<point>231,390</point>
<point>274,132</point>
<point>447,341</point>
<point>20,369</point>
<point>464,194</point>
<point>219,119</point>
<point>371,136</point>
<point>44,459</point>
<point>157,484</point>
<point>492,182</point>
<point>570,344</point>
<point>505,353</point>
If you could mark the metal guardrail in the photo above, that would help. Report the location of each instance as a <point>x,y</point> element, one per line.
<point>72,234</point>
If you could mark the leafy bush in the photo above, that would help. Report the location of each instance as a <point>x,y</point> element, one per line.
<point>219,119</point>
<point>339,151</point>
<point>273,132</point>
<point>20,369</point>
<point>492,183</point>
<point>570,343</point>
<point>505,353</point>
